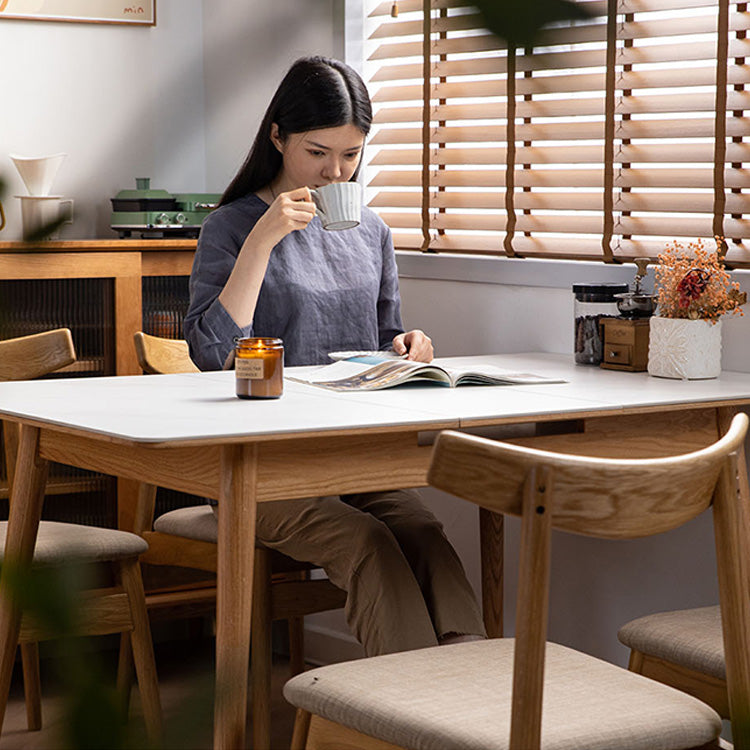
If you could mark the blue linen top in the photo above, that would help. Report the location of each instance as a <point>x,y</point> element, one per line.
<point>323,291</point>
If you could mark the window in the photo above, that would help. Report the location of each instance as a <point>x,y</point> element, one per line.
<point>610,137</point>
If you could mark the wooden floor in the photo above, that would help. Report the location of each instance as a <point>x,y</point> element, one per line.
<point>186,682</point>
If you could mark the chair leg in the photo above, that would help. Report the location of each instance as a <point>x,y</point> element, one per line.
<point>301,729</point>
<point>32,685</point>
<point>260,644</point>
<point>296,627</point>
<point>143,649</point>
<point>125,672</point>
<point>635,663</point>
<point>296,645</point>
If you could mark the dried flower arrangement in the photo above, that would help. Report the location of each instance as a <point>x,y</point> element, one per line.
<point>692,282</point>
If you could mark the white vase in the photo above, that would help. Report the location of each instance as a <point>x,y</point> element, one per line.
<point>684,349</point>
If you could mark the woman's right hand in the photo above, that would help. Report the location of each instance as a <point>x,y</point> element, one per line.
<point>288,212</point>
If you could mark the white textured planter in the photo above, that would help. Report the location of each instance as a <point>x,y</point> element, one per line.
<point>685,349</point>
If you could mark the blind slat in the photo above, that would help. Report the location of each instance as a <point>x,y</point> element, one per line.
<point>692,103</point>
<point>672,153</point>
<point>686,227</point>
<point>671,203</point>
<point>680,102</point>
<point>405,6</point>
<point>490,111</point>
<point>525,155</point>
<point>631,129</point>
<point>524,223</point>
<point>677,203</point>
<point>659,6</point>
<point>677,129</point>
<point>679,178</point>
<point>580,248</point>
<point>687,52</point>
<point>669,79</point>
<point>702,24</point>
<point>567,84</point>
<point>493,200</point>
<point>494,178</point>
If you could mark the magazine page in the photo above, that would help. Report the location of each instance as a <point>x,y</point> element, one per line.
<point>481,374</point>
<point>361,374</point>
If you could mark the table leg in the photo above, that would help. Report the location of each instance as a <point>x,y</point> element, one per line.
<point>27,496</point>
<point>491,545</point>
<point>234,593</point>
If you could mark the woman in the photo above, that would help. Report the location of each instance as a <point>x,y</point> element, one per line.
<point>265,267</point>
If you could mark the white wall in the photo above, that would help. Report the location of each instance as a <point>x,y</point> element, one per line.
<point>120,101</point>
<point>177,102</point>
<point>247,48</point>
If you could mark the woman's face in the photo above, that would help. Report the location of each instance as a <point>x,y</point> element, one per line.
<point>318,157</point>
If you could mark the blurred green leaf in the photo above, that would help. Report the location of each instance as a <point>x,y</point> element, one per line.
<point>43,232</point>
<point>520,21</point>
<point>43,593</point>
<point>93,719</point>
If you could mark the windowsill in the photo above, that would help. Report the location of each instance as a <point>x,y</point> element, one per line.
<point>513,271</point>
<point>508,271</point>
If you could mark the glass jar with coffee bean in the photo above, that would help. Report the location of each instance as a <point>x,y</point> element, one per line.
<point>593,301</point>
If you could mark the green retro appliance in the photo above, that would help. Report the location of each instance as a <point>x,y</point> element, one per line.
<point>157,213</point>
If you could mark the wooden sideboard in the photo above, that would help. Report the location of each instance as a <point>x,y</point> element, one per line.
<point>100,290</point>
<point>125,262</point>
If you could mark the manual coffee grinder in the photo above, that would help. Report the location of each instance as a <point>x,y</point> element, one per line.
<point>625,338</point>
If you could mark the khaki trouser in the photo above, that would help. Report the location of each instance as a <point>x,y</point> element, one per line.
<point>405,583</point>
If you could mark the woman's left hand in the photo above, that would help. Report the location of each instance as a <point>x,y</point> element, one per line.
<point>416,344</point>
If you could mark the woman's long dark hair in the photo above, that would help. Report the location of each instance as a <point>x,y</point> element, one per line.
<point>317,92</point>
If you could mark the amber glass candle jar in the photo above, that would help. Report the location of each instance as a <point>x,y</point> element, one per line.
<point>259,367</point>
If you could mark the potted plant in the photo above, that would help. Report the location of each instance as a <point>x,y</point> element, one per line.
<point>694,290</point>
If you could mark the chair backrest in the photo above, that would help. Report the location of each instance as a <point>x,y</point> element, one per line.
<point>608,498</point>
<point>25,358</point>
<point>160,356</point>
<point>28,357</point>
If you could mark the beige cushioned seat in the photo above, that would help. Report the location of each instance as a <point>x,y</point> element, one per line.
<point>197,522</point>
<point>458,698</point>
<point>59,543</point>
<point>691,638</point>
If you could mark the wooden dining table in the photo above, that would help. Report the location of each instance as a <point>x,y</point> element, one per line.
<point>190,433</point>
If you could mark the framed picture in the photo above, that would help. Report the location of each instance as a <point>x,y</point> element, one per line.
<point>137,12</point>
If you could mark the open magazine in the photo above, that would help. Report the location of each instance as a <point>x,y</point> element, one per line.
<point>374,373</point>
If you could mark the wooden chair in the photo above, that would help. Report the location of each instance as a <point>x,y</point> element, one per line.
<point>490,694</point>
<point>110,610</point>
<point>186,537</point>
<point>684,649</point>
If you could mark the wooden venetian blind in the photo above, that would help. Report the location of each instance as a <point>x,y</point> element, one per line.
<point>609,137</point>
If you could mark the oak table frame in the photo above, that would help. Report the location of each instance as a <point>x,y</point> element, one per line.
<point>189,432</point>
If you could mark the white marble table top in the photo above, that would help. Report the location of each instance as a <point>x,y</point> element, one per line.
<point>202,406</point>
<point>587,388</point>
